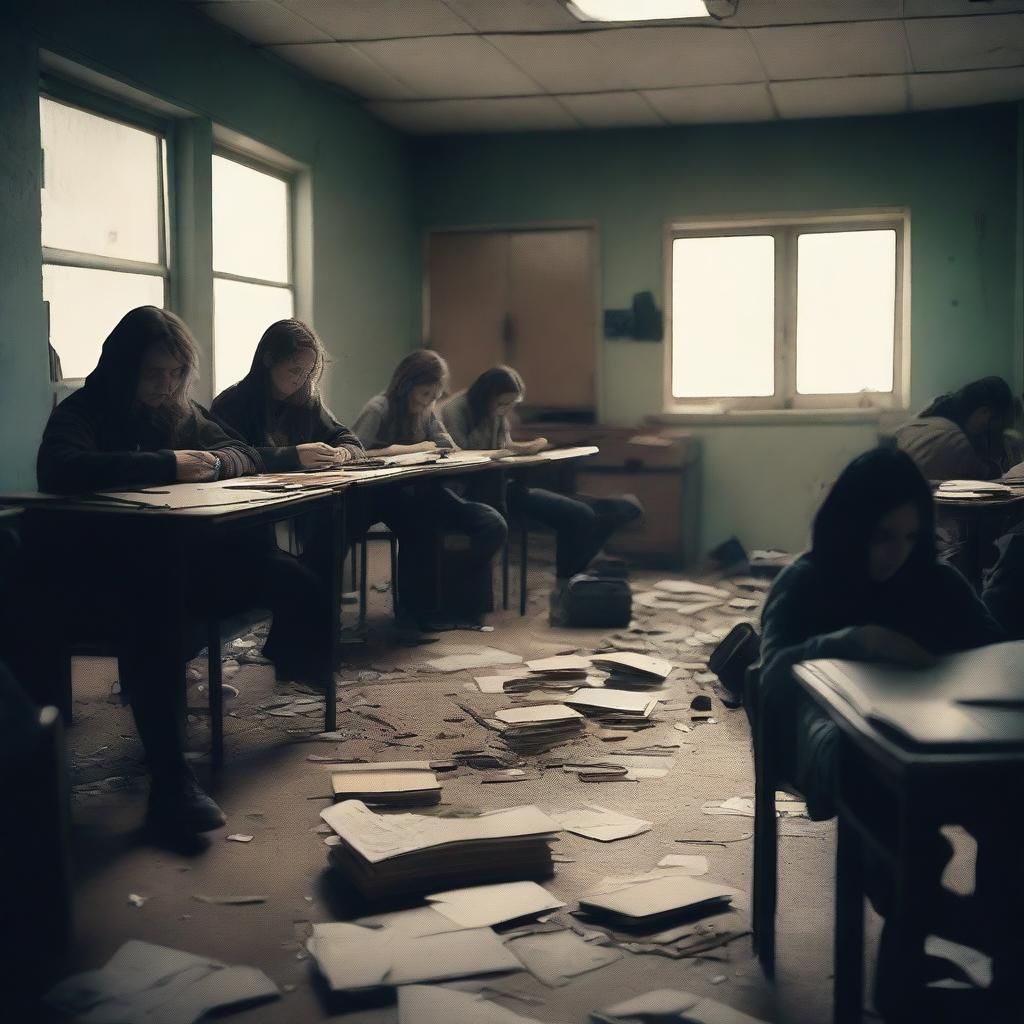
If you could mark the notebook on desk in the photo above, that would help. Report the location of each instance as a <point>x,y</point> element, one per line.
<point>967,700</point>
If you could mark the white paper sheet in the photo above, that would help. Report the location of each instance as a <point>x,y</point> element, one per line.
<point>665,1006</point>
<point>484,905</point>
<point>434,1004</point>
<point>479,657</point>
<point>601,824</point>
<point>554,958</point>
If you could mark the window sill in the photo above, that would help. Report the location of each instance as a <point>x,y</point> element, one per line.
<point>885,419</point>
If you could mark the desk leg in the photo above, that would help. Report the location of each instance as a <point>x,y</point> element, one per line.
<point>215,684</point>
<point>848,994</point>
<point>336,511</point>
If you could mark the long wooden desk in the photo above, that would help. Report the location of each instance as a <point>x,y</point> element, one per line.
<point>968,755</point>
<point>980,521</point>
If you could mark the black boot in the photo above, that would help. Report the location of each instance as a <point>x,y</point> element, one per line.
<point>179,805</point>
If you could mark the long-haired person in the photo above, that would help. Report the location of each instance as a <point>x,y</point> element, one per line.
<point>872,588</point>
<point>478,420</point>
<point>404,419</point>
<point>134,424</point>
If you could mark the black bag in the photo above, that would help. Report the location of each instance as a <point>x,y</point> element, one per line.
<point>592,601</point>
<point>731,659</point>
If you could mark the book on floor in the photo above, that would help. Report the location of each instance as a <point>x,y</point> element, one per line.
<point>387,782</point>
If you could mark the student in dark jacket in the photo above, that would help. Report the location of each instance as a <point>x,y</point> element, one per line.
<point>277,406</point>
<point>870,589</point>
<point>402,420</point>
<point>478,420</point>
<point>134,424</point>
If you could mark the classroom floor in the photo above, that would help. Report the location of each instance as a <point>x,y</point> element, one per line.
<point>271,791</point>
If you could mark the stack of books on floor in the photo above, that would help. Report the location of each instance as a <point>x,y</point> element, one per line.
<point>404,854</point>
<point>633,670</point>
<point>620,709</point>
<point>388,783</point>
<point>536,728</point>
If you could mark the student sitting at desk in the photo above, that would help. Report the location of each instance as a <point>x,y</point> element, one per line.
<point>870,589</point>
<point>960,435</point>
<point>404,419</point>
<point>134,424</point>
<point>478,420</point>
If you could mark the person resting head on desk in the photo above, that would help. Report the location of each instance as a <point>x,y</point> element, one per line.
<point>960,435</point>
<point>134,423</point>
<point>404,419</point>
<point>277,407</point>
<point>479,420</point>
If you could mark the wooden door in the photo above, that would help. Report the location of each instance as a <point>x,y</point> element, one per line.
<point>551,306</point>
<point>468,300</point>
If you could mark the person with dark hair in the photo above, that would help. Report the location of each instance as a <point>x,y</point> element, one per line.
<point>277,406</point>
<point>478,420</point>
<point>134,424</point>
<point>403,419</point>
<point>959,436</point>
<point>871,588</point>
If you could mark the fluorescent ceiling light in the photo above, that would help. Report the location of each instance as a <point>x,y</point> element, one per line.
<point>637,10</point>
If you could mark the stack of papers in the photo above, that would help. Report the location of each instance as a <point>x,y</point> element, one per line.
<point>411,853</point>
<point>628,669</point>
<point>981,490</point>
<point>645,904</point>
<point>389,783</point>
<point>670,1006</point>
<point>537,728</point>
<point>620,708</point>
<point>564,666</point>
<point>143,982</point>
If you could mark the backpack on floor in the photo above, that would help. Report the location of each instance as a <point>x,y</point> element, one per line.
<point>592,601</point>
<point>731,658</point>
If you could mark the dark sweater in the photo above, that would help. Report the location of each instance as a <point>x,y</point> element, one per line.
<point>87,446</point>
<point>245,409</point>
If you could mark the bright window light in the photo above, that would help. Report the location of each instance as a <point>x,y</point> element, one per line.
<point>846,309</point>
<point>637,10</point>
<point>723,317</point>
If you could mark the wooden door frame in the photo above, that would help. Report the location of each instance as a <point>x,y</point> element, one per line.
<point>522,228</point>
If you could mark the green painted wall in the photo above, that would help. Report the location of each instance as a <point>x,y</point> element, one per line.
<point>956,171</point>
<point>365,287</point>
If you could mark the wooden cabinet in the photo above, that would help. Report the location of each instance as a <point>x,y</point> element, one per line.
<point>526,298</point>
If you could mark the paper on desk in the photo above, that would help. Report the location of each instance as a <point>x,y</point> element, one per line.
<point>601,824</point>
<point>149,984</point>
<point>553,958</point>
<point>434,1004</point>
<point>670,1006</point>
<point>377,837</point>
<point>485,905</point>
<point>353,957</point>
<point>470,657</point>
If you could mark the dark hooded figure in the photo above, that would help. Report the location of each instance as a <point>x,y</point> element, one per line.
<point>134,424</point>
<point>277,406</point>
<point>959,436</point>
<point>870,589</point>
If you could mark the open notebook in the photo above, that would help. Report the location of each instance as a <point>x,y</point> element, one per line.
<point>971,699</point>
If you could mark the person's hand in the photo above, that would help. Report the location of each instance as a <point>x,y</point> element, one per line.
<point>195,467</point>
<point>538,444</point>
<point>317,455</point>
<point>882,644</point>
<point>424,446</point>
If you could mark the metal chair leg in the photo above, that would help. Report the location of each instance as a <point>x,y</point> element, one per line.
<point>504,574</point>
<point>393,543</point>
<point>362,584</point>
<point>524,542</point>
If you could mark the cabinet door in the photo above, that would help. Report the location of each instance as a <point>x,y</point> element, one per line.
<point>552,309</point>
<point>468,300</point>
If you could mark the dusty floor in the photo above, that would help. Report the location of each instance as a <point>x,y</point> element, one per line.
<point>270,790</point>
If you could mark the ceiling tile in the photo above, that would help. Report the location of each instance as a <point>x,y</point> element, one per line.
<point>800,12</point>
<point>450,67</point>
<point>832,51</point>
<point>262,22</point>
<point>611,110</point>
<point>840,97</point>
<point>666,57</point>
<point>936,8</point>
<point>712,103</point>
<point>379,19</point>
<point>343,64</point>
<point>966,88</point>
<point>951,44</point>
<point>437,117</point>
<point>514,15</point>
<point>564,62</point>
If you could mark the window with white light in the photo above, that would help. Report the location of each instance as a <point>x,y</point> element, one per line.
<point>792,314</point>
<point>103,226</point>
<point>252,262</point>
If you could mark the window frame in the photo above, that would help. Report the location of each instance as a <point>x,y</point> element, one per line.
<point>57,90</point>
<point>785,229</point>
<point>290,179</point>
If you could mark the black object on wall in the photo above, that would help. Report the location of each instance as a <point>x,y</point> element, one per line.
<point>644,322</point>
